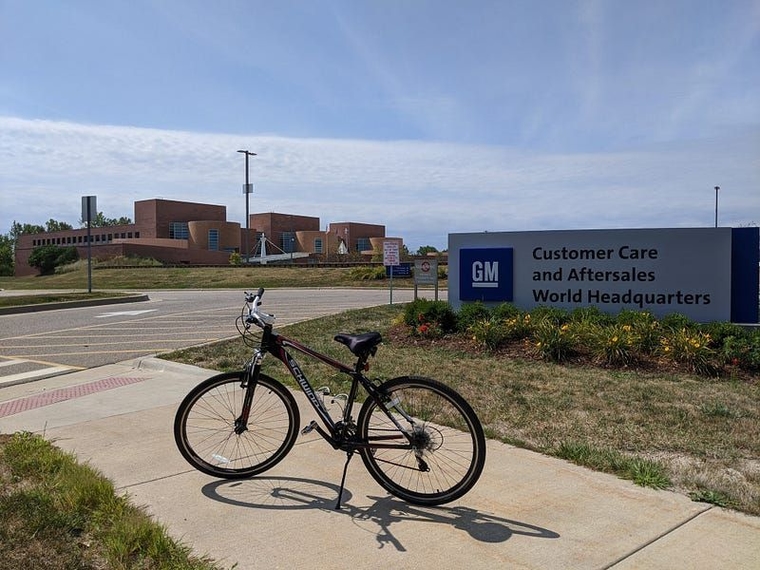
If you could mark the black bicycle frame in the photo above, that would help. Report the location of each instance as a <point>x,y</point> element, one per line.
<point>277,345</point>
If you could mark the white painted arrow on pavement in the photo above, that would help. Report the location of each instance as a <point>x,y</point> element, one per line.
<point>124,313</point>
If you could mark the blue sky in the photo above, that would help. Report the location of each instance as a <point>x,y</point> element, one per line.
<point>428,117</point>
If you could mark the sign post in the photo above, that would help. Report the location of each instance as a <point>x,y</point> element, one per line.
<point>390,259</point>
<point>89,209</point>
<point>426,273</point>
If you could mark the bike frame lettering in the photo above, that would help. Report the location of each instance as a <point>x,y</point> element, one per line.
<point>300,377</point>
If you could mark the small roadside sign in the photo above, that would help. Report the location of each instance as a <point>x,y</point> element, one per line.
<point>390,253</point>
<point>391,259</point>
<point>426,271</point>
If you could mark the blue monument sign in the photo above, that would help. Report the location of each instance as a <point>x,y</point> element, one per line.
<point>707,274</point>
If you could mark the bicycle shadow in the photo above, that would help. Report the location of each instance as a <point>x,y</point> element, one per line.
<point>288,493</point>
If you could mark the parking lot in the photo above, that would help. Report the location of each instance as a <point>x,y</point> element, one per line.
<point>43,344</point>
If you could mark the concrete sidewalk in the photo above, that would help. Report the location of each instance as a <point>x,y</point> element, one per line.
<point>527,510</point>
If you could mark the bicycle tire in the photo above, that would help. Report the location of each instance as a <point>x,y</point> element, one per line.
<point>204,426</point>
<point>447,436</point>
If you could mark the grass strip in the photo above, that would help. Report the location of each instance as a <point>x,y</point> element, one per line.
<point>58,514</point>
<point>22,300</point>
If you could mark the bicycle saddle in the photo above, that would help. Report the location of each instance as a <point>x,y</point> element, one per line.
<point>359,344</point>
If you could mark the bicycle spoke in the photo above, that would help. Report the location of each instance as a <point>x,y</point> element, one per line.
<point>206,421</point>
<point>443,450</point>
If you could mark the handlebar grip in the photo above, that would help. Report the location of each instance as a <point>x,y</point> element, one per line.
<point>260,292</point>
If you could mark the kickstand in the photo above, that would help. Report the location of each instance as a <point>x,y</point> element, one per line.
<point>349,455</point>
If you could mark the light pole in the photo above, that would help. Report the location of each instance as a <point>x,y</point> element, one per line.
<point>247,190</point>
<point>716,205</point>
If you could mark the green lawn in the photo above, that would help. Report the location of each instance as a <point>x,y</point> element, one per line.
<point>662,429</point>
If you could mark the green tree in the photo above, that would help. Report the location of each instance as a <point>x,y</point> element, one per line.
<point>55,226</point>
<point>18,229</point>
<point>6,255</point>
<point>47,257</point>
<point>100,221</point>
<point>425,249</point>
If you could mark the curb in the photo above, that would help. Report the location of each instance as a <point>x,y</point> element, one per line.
<point>72,304</point>
<point>155,364</point>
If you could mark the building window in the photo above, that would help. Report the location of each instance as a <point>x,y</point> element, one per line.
<point>288,242</point>
<point>318,245</point>
<point>213,240</point>
<point>178,230</point>
<point>363,244</point>
<point>137,235</point>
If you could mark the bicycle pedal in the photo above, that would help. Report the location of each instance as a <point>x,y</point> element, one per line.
<point>309,428</point>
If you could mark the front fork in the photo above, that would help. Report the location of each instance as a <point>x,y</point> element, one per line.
<point>250,380</point>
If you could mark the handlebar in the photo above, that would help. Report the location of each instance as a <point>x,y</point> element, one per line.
<point>255,316</point>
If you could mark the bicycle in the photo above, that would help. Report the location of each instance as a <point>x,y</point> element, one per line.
<point>418,438</point>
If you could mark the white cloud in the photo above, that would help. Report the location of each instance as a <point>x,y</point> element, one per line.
<point>420,191</point>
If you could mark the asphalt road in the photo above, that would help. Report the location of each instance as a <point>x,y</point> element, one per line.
<point>43,344</point>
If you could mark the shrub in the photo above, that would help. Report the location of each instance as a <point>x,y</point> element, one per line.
<point>80,265</point>
<point>743,351</point>
<point>436,313</point>
<point>615,345</point>
<point>592,315</point>
<point>496,332</point>
<point>367,273</point>
<point>6,255</point>
<point>691,348</point>
<point>47,257</point>
<point>645,328</point>
<point>489,332</point>
<point>552,342</point>
<point>505,311</point>
<point>131,261</point>
<point>720,332</point>
<point>553,315</point>
<point>676,321</point>
<point>471,313</point>
<point>518,327</point>
<point>236,259</point>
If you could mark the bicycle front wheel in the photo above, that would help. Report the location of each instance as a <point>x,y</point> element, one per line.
<point>208,434</point>
<point>430,450</point>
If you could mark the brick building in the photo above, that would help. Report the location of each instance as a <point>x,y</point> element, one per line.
<point>189,233</point>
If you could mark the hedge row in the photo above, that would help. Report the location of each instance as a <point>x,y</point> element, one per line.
<point>626,339</point>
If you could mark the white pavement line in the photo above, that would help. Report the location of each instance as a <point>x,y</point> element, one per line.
<point>28,376</point>
<point>658,537</point>
<point>11,362</point>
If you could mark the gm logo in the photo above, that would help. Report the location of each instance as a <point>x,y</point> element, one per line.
<point>485,274</point>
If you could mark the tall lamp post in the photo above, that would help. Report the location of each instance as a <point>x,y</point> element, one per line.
<point>247,190</point>
<point>716,205</point>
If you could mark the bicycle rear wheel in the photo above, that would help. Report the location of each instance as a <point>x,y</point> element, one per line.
<point>204,426</point>
<point>441,452</point>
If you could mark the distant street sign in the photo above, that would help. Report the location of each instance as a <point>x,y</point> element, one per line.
<point>390,253</point>
<point>426,272</point>
<point>89,208</point>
